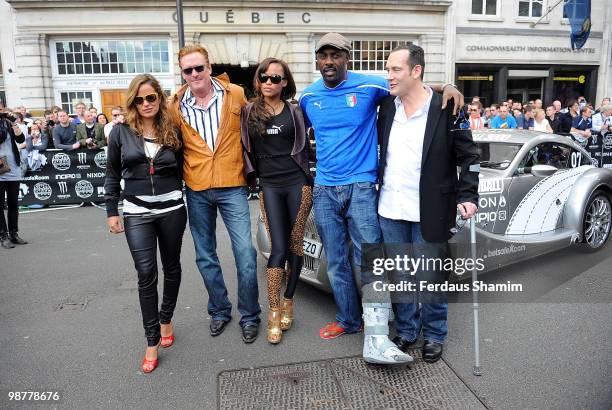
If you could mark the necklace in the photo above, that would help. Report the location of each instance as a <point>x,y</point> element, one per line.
<point>280,106</point>
<point>203,101</point>
<point>151,149</point>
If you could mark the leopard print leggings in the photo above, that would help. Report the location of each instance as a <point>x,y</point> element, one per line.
<point>284,212</point>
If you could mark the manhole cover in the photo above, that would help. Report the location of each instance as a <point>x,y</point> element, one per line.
<point>346,383</point>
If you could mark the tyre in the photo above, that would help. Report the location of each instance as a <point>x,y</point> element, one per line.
<point>596,222</point>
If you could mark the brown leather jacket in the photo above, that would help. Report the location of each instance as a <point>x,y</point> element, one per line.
<point>223,168</point>
<point>300,153</point>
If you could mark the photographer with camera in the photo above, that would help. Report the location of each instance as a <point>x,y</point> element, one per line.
<point>90,134</point>
<point>36,142</point>
<point>10,175</point>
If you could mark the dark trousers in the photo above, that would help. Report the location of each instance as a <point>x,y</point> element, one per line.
<point>11,190</point>
<point>143,233</point>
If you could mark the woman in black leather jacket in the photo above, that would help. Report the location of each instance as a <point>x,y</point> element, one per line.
<point>145,152</point>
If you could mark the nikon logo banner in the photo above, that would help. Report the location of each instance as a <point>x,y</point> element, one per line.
<point>69,177</point>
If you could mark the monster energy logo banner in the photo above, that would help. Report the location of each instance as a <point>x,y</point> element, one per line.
<point>599,148</point>
<point>69,177</point>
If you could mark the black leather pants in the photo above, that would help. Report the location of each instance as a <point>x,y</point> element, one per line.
<point>143,233</point>
<point>286,210</point>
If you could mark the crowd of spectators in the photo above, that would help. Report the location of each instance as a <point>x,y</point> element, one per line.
<point>56,128</point>
<point>88,127</point>
<point>579,118</point>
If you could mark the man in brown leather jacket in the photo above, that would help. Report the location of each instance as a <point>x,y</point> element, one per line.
<point>208,111</point>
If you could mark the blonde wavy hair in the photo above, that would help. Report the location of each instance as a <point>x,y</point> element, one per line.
<point>539,111</point>
<point>165,127</point>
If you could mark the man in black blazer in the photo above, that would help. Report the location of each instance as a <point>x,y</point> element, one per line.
<point>420,150</point>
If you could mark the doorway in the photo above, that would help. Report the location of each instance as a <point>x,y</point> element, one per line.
<point>525,89</point>
<point>112,98</point>
<point>238,75</point>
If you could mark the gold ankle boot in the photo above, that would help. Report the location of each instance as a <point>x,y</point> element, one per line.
<point>286,314</point>
<point>274,330</point>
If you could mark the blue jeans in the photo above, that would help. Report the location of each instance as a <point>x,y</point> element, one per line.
<point>343,212</point>
<point>234,208</point>
<point>408,317</point>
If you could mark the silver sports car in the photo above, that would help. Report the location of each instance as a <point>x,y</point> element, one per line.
<point>538,193</point>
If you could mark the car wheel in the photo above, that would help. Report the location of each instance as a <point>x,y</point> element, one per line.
<point>596,221</point>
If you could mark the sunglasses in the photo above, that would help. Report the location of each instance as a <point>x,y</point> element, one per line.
<point>474,110</point>
<point>189,70</point>
<point>275,78</point>
<point>151,98</point>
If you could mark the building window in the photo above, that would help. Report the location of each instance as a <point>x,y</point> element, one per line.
<point>371,55</point>
<point>530,8</point>
<point>71,98</point>
<point>484,7</point>
<point>112,57</point>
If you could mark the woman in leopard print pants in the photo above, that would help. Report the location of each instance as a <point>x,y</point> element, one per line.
<point>277,148</point>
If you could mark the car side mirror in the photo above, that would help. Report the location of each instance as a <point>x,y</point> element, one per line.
<point>543,170</point>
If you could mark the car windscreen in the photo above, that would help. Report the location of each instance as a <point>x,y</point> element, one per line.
<point>497,154</point>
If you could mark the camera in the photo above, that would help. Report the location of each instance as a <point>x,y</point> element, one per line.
<point>462,120</point>
<point>8,116</point>
<point>50,123</point>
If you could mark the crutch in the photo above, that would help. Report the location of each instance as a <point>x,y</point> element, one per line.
<point>475,305</point>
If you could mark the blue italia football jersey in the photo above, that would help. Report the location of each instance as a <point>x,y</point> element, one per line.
<point>344,121</point>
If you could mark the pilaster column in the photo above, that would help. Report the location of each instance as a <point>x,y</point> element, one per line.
<point>34,70</point>
<point>300,59</point>
<point>435,63</point>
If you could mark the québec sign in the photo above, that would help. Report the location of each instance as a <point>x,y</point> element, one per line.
<point>252,17</point>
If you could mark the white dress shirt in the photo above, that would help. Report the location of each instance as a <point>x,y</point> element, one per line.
<point>399,194</point>
<point>205,120</point>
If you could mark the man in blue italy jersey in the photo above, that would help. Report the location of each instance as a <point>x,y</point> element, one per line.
<point>341,107</point>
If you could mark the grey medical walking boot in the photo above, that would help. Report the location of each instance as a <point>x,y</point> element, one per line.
<point>377,347</point>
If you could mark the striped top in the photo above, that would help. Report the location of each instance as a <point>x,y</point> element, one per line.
<point>145,205</point>
<point>205,120</point>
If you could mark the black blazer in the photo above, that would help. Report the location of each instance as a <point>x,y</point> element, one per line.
<point>445,147</point>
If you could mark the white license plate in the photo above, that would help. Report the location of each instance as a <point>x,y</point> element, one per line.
<point>312,248</point>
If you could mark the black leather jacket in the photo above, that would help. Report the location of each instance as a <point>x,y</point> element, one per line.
<point>126,159</point>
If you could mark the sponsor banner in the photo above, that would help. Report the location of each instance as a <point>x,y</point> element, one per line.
<point>606,150</point>
<point>599,148</point>
<point>69,177</point>
<point>595,148</point>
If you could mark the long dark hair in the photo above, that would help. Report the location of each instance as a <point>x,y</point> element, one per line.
<point>259,118</point>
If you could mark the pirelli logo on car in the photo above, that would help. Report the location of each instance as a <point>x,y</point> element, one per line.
<point>490,186</point>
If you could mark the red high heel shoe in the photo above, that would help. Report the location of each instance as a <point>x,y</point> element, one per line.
<point>149,365</point>
<point>167,341</point>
